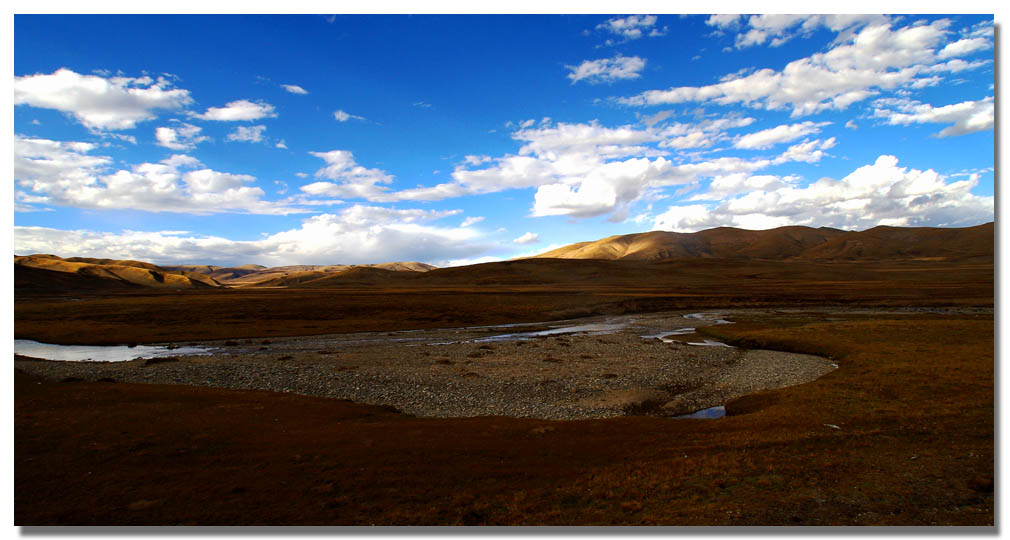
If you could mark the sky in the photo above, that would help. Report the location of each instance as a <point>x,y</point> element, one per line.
<point>458,139</point>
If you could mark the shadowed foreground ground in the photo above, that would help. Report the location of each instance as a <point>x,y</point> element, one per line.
<point>901,434</point>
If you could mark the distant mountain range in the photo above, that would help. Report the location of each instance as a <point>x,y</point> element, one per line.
<point>41,273</point>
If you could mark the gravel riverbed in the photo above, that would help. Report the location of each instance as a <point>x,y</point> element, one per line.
<point>603,368</point>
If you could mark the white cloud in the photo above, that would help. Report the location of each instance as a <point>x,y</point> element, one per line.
<point>807,151</point>
<point>342,116</point>
<point>182,137</point>
<point>356,235</point>
<point>777,29</point>
<point>241,110</point>
<point>779,134</point>
<point>631,27</point>
<point>473,220</point>
<point>281,144</point>
<point>701,134</point>
<point>981,29</point>
<point>607,70</point>
<point>528,238</point>
<point>880,193</point>
<point>352,180</point>
<point>65,174</point>
<point>578,170</point>
<point>723,20</point>
<point>100,103</point>
<point>476,160</point>
<point>732,184</point>
<point>963,47</point>
<point>851,124</point>
<point>874,59</point>
<point>295,89</point>
<point>966,117</point>
<point>247,133</point>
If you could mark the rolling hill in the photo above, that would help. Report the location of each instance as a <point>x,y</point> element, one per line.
<point>908,243</point>
<point>38,272</point>
<point>788,243</point>
<point>663,259</point>
<point>253,275</point>
<point>122,271</point>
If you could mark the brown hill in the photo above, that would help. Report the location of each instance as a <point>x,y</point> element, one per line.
<point>134,272</point>
<point>722,242</point>
<point>909,243</point>
<point>31,280</point>
<point>107,262</point>
<point>218,273</point>
<point>785,243</point>
<point>661,259</point>
<point>285,276</point>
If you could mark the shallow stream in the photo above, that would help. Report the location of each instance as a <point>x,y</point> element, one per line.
<point>473,334</point>
<point>100,353</point>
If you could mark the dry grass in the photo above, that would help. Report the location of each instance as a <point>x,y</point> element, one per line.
<point>518,291</point>
<point>901,434</point>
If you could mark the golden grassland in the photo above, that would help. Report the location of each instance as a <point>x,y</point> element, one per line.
<point>901,434</point>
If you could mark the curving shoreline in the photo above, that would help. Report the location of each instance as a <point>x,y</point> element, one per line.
<point>460,373</point>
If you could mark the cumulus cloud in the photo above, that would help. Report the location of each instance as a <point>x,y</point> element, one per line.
<point>966,117</point>
<point>777,29</point>
<point>878,194</point>
<point>778,134</point>
<point>964,46</point>
<point>247,133</point>
<point>701,134</point>
<point>578,170</point>
<point>528,238</point>
<point>724,20</point>
<point>732,184</point>
<point>586,170</point>
<point>181,137</point>
<point>875,58</point>
<point>607,70</point>
<point>808,151</point>
<point>295,89</point>
<point>241,110</point>
<point>100,103</point>
<point>356,235</point>
<point>631,27</point>
<point>67,174</point>
<point>350,179</point>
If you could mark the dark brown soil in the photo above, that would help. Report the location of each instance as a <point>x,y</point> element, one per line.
<point>901,434</point>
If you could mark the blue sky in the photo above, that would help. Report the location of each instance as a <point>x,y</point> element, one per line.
<point>451,139</point>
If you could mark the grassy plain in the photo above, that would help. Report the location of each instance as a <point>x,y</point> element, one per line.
<point>515,291</point>
<point>901,434</point>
